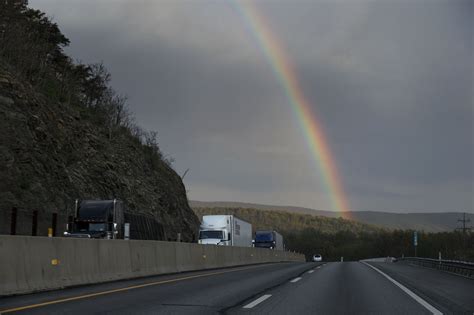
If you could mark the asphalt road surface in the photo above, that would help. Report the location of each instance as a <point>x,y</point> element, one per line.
<point>284,288</point>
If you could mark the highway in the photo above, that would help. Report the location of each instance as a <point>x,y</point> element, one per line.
<point>281,288</point>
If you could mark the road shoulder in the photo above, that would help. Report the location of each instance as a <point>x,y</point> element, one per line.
<point>448,293</point>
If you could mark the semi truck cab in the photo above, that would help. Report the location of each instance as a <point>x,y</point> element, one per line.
<point>216,237</point>
<point>97,219</point>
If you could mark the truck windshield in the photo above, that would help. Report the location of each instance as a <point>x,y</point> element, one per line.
<point>211,234</point>
<point>94,210</point>
<point>263,237</point>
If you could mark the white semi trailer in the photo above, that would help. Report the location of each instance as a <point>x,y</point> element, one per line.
<point>225,230</point>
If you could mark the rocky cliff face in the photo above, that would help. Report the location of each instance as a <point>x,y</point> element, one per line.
<point>51,154</point>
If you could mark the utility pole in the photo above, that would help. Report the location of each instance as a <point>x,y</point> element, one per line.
<point>415,242</point>
<point>464,228</point>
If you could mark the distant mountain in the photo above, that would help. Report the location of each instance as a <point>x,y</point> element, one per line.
<point>429,222</point>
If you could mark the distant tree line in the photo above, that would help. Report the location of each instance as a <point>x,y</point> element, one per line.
<point>336,237</point>
<point>354,246</point>
<point>32,47</point>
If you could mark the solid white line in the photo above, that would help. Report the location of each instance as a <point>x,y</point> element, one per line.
<point>257,301</point>
<point>295,280</point>
<point>311,271</point>
<point>428,306</point>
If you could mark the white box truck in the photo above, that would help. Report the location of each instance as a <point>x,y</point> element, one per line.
<point>226,230</point>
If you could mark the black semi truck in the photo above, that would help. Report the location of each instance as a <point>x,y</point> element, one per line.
<point>109,219</point>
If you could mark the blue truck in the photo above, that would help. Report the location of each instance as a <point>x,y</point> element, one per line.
<point>268,239</point>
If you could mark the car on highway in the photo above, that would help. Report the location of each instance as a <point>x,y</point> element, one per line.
<point>317,257</point>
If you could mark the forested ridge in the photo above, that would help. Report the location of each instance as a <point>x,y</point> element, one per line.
<point>422,221</point>
<point>286,221</point>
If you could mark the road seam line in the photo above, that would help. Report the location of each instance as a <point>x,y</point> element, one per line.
<point>425,304</point>
<point>295,280</point>
<point>257,301</point>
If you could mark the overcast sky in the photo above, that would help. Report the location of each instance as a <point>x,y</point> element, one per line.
<point>392,83</point>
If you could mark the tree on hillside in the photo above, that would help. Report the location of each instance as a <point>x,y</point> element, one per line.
<point>30,41</point>
<point>33,46</point>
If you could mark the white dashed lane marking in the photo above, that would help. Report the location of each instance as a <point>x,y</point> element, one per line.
<point>257,301</point>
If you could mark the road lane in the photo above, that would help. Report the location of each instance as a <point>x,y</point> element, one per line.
<point>284,288</point>
<point>199,292</point>
<point>338,288</point>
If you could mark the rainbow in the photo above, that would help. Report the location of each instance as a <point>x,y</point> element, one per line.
<point>312,130</point>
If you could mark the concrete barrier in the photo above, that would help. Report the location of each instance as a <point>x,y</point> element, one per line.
<point>29,264</point>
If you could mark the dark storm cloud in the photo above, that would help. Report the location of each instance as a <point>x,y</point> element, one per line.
<point>391,81</point>
<point>406,111</point>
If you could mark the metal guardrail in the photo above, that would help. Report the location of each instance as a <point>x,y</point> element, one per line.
<point>464,268</point>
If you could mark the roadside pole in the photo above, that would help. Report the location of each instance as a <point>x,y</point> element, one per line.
<point>415,242</point>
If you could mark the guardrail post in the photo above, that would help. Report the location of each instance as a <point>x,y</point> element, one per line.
<point>34,223</point>
<point>54,224</point>
<point>13,221</point>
